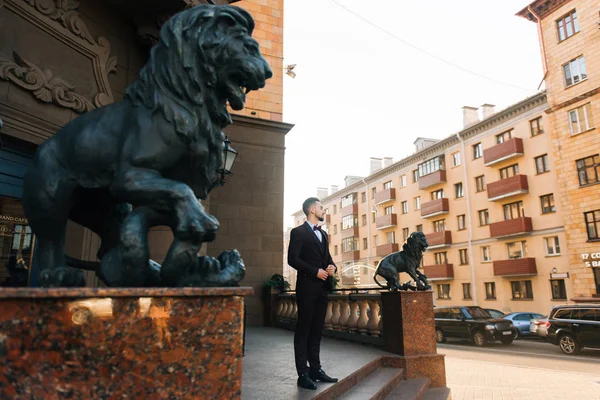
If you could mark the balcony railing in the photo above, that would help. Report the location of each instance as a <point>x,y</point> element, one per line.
<point>435,207</point>
<point>432,179</point>
<point>386,221</point>
<point>513,186</point>
<point>439,271</point>
<point>351,255</point>
<point>512,227</point>
<point>385,196</point>
<point>503,151</point>
<point>385,249</point>
<point>439,239</point>
<point>515,267</point>
<point>349,232</point>
<point>349,210</point>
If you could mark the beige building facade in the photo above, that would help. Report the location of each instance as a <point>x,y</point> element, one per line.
<point>484,197</point>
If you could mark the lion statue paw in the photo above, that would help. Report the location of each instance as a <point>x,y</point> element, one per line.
<point>226,270</point>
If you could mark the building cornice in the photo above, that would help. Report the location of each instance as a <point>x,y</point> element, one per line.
<point>542,8</point>
<point>267,124</point>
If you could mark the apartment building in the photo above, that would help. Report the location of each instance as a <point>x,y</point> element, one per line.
<point>569,35</point>
<point>484,197</point>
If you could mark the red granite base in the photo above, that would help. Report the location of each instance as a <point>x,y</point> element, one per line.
<point>430,366</point>
<point>89,343</point>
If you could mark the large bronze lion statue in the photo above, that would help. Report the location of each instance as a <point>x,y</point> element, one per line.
<point>408,260</point>
<point>146,160</point>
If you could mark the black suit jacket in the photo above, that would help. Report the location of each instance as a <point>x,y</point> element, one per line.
<point>307,255</point>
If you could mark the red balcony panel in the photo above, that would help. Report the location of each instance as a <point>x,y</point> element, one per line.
<point>434,207</point>
<point>439,271</point>
<point>351,209</point>
<point>385,249</point>
<point>513,186</point>
<point>439,239</point>
<point>517,226</point>
<point>432,179</point>
<point>349,232</point>
<point>327,218</point>
<point>503,151</point>
<point>351,255</point>
<point>385,196</point>
<point>386,221</point>
<point>515,267</point>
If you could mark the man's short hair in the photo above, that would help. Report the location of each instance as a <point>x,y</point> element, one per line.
<point>308,203</point>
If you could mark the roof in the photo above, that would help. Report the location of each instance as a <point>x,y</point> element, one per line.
<point>540,8</point>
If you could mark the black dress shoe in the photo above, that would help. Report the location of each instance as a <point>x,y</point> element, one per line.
<point>305,382</point>
<point>321,376</point>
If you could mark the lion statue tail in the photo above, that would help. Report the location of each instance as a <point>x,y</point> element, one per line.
<point>375,278</point>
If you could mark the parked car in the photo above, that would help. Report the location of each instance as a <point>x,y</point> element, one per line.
<point>521,322</point>
<point>473,323</point>
<point>539,326</point>
<point>573,327</point>
<point>495,313</point>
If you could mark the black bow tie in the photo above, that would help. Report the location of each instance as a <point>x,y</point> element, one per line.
<point>317,228</point>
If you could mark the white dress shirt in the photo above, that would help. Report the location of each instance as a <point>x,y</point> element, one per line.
<point>316,232</point>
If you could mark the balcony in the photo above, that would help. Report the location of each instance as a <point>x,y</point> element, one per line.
<point>513,186</point>
<point>439,239</point>
<point>439,271</point>
<point>386,221</point>
<point>515,267</point>
<point>349,232</point>
<point>349,210</point>
<point>327,218</point>
<point>385,196</point>
<point>432,179</point>
<point>435,207</point>
<point>351,255</point>
<point>512,227</point>
<point>385,249</point>
<point>503,151</point>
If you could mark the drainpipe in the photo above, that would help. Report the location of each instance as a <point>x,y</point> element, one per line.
<point>466,178</point>
<point>542,44</point>
<point>368,223</point>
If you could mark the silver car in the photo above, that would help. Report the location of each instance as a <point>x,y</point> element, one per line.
<point>539,326</point>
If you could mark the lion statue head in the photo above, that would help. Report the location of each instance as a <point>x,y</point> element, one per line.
<point>416,243</point>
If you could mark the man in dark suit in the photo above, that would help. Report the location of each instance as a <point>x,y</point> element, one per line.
<point>308,253</point>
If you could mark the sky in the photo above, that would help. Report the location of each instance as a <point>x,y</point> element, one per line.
<point>361,93</point>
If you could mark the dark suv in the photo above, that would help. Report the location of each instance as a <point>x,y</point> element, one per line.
<point>574,327</point>
<point>472,323</point>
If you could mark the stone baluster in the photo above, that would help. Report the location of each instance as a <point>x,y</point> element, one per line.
<point>380,326</point>
<point>335,318</point>
<point>328,316</point>
<point>344,314</point>
<point>288,309</point>
<point>373,324</point>
<point>294,310</point>
<point>353,320</point>
<point>279,309</point>
<point>363,319</point>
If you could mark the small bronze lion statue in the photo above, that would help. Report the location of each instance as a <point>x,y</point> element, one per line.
<point>408,260</point>
<point>146,160</point>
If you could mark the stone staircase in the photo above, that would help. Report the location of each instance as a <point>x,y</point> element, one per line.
<point>383,378</point>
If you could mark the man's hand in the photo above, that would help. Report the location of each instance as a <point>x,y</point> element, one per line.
<point>330,270</point>
<point>322,274</point>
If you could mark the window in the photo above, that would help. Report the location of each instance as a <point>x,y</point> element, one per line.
<point>516,249</point>
<point>374,215</point>
<point>580,119</point>
<point>438,194</point>
<point>419,228</point>
<point>547,201</point>
<point>404,207</point>
<point>376,240</point>
<point>363,197</point>
<point>477,151</point>
<point>464,256</point>
<point>405,234</point>
<point>509,171</point>
<point>504,137</point>
<point>456,159</point>
<point>521,290</point>
<point>417,203</point>
<point>441,258</point>
<point>335,229</point>
<point>458,190</point>
<point>574,71</point>
<point>552,246</point>
<point>490,290</point>
<point>567,26</point>
<point>431,166</point>
<point>387,185</point>
<point>349,221</point>
<point>480,183</point>
<point>484,217</point>
<point>541,164</point>
<point>486,254</point>
<point>588,170</point>
<point>403,181</point>
<point>513,210</point>
<point>466,291</point>
<point>439,225</point>
<point>365,243</point>
<point>373,191</point>
<point>462,225</point>
<point>349,244</point>
<point>536,126</point>
<point>335,209</point>
<point>416,175</point>
<point>592,222</point>
<point>348,200</point>
<point>389,210</point>
<point>364,219</point>
<point>391,237</point>
<point>443,291</point>
<point>335,250</point>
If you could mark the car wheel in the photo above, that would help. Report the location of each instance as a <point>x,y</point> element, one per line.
<point>516,334</point>
<point>568,344</point>
<point>479,339</point>
<point>439,336</point>
<point>506,340</point>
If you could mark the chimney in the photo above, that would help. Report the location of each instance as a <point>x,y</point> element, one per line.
<point>322,193</point>
<point>387,161</point>
<point>487,110</point>
<point>334,188</point>
<point>470,116</point>
<point>376,164</point>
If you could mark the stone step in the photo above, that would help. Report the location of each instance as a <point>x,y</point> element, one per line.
<point>441,393</point>
<point>376,385</point>
<point>410,389</point>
